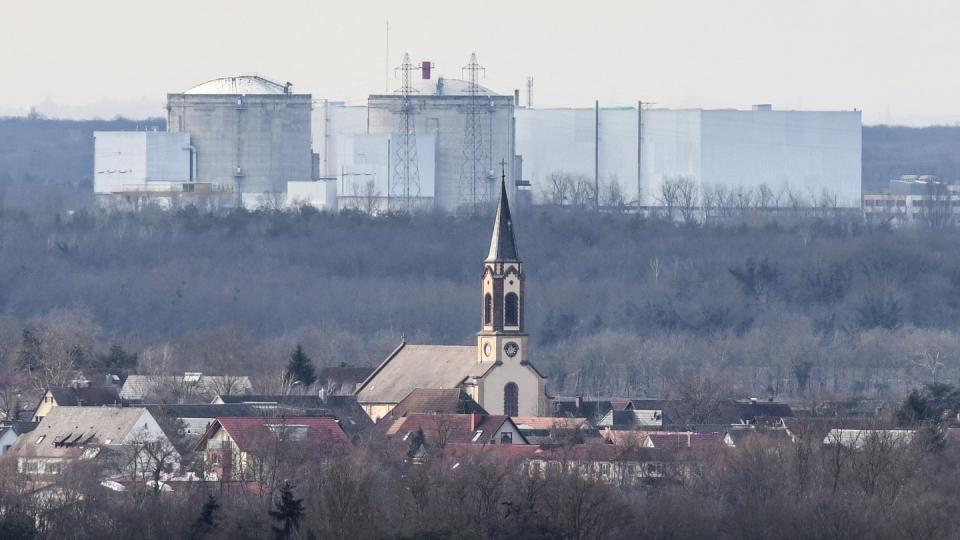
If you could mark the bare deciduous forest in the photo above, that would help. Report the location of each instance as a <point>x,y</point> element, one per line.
<point>785,306</point>
<point>618,304</point>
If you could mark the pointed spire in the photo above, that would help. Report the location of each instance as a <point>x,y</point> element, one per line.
<point>503,245</point>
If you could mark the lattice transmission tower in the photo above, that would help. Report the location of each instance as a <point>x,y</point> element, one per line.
<point>405,185</point>
<point>475,187</point>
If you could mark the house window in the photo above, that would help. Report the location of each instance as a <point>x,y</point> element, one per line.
<point>487,309</point>
<point>511,399</point>
<point>506,438</point>
<point>511,310</point>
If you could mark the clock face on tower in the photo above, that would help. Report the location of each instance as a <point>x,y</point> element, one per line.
<point>511,349</point>
<point>487,349</point>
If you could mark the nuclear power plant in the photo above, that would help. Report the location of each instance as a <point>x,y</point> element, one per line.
<point>441,143</point>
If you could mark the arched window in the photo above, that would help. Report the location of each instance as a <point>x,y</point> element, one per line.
<point>511,310</point>
<point>511,399</point>
<point>487,309</point>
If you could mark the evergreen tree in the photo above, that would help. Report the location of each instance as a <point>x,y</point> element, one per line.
<point>207,521</point>
<point>300,368</point>
<point>29,354</point>
<point>288,513</point>
<point>117,358</point>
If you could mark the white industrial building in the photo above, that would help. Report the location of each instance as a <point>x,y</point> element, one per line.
<point>320,194</point>
<point>253,142</point>
<point>807,153</point>
<point>233,141</point>
<point>359,144</point>
<point>128,160</point>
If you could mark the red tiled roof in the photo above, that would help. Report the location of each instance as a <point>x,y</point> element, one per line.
<point>323,433</point>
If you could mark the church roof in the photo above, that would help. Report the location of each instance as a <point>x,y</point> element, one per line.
<point>420,366</point>
<point>503,245</point>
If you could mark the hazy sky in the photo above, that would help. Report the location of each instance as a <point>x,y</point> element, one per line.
<point>895,60</point>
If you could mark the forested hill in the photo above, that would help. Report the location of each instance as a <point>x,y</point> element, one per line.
<point>38,150</point>
<point>61,151</point>
<point>892,151</point>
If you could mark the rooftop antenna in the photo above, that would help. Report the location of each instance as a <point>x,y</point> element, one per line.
<point>472,191</point>
<point>529,92</point>
<point>405,187</point>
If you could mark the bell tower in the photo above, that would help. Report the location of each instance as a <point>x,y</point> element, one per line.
<point>502,337</point>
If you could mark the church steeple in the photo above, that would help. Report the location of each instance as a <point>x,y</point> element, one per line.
<point>503,245</point>
<point>502,337</point>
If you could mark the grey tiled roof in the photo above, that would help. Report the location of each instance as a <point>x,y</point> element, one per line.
<point>137,387</point>
<point>420,366</point>
<point>82,427</point>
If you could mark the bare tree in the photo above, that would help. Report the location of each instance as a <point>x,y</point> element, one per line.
<point>612,195</point>
<point>669,195</point>
<point>558,190</point>
<point>582,192</point>
<point>367,197</point>
<point>687,198</point>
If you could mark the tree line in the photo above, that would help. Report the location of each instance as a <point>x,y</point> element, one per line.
<point>617,303</point>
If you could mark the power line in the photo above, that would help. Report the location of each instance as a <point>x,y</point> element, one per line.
<point>405,187</point>
<point>474,188</point>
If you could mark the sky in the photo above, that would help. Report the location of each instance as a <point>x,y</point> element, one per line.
<point>894,60</point>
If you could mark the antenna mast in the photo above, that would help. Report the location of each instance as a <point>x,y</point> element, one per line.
<point>474,190</point>
<point>529,92</point>
<point>405,187</point>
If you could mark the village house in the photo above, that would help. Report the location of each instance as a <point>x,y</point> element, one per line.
<point>345,409</point>
<point>496,372</point>
<point>84,396</point>
<point>432,401</point>
<point>13,431</point>
<point>118,440</point>
<point>191,387</point>
<point>617,465</point>
<point>548,430</point>
<point>342,380</point>
<point>198,418</point>
<point>252,449</point>
<point>441,429</point>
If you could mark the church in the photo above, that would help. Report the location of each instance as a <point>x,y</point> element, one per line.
<point>495,372</point>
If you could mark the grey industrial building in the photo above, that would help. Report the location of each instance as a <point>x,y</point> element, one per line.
<point>229,142</point>
<point>251,141</point>
<point>251,135</point>
<point>441,108</point>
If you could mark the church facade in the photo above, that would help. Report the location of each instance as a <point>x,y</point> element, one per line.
<point>496,371</point>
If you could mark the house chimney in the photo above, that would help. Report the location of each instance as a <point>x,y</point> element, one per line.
<point>753,401</point>
<point>322,394</point>
<point>474,421</point>
<point>688,439</point>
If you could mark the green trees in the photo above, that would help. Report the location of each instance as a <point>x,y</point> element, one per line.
<point>300,369</point>
<point>208,520</point>
<point>287,513</point>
